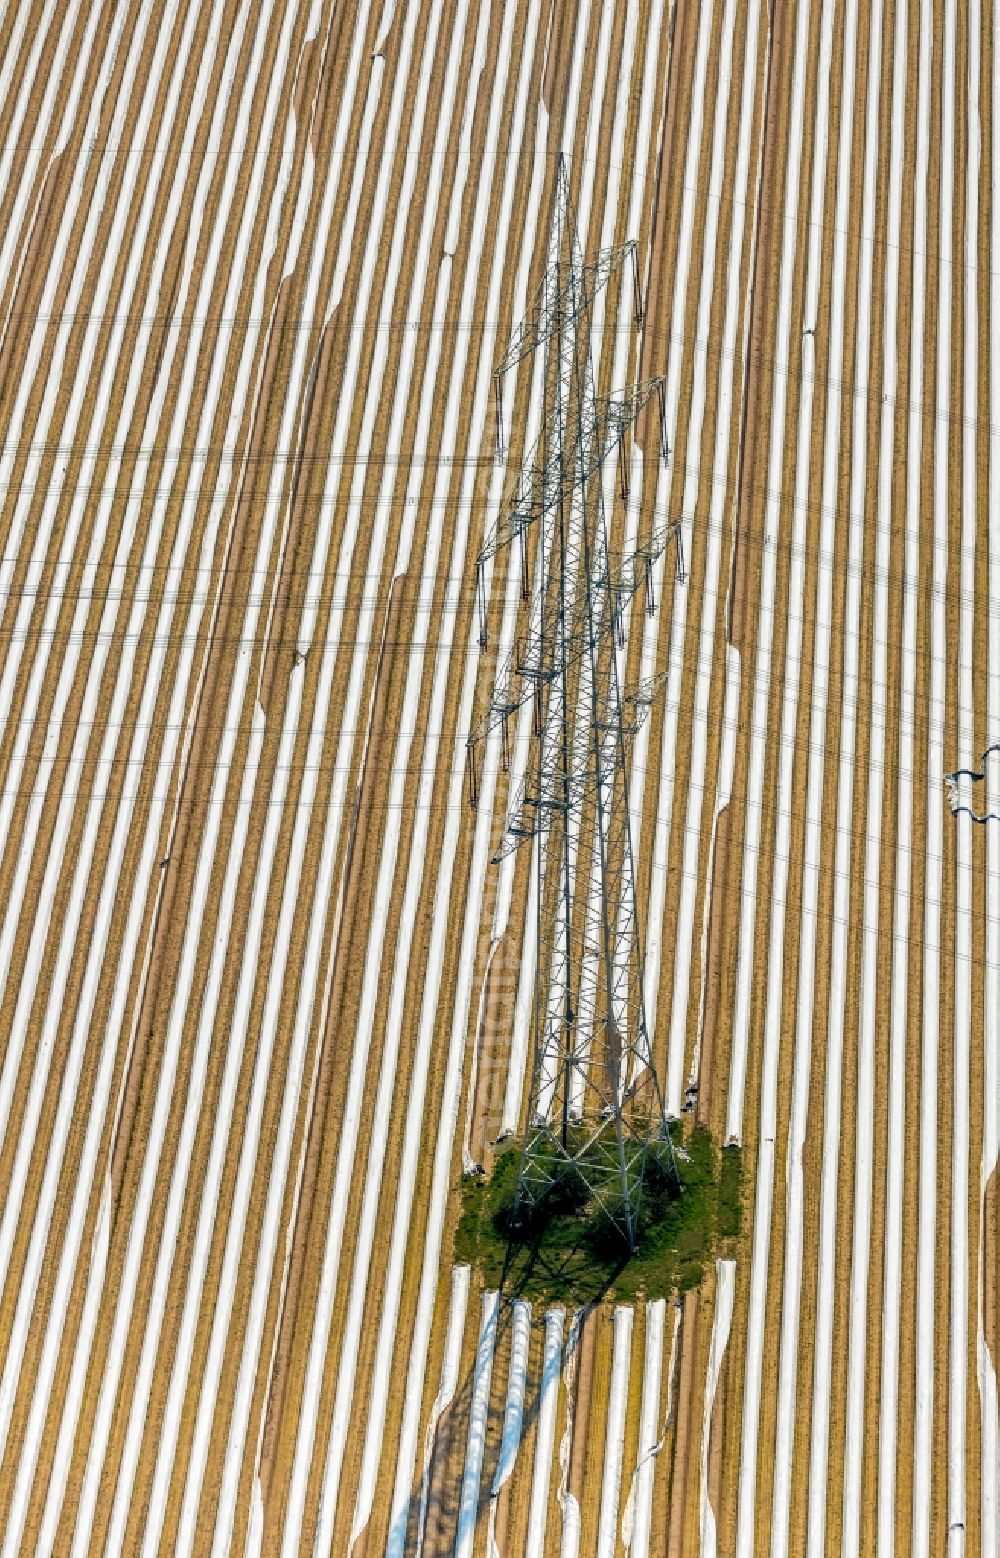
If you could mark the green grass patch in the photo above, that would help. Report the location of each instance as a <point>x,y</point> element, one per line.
<point>566,1252</point>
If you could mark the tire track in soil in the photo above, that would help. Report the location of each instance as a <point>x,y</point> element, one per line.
<point>682,1467</point>
<point>31,281</point>
<point>695,585</point>
<point>293,575</point>
<point>760,237</point>
<point>365,818</point>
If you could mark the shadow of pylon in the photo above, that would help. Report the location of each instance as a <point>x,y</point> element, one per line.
<point>434,1505</point>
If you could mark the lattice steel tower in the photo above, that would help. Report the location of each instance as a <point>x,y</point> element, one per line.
<point>595,1107</point>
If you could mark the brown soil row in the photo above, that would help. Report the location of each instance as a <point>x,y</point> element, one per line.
<point>33,153</point>
<point>978,1091</point>
<point>762,246</point>
<point>633,1413</point>
<point>841,1428</point>
<point>666,1427</point>
<point>991,1233</point>
<point>908,1315</point>
<point>185,473</point>
<point>593,1386</point>
<point>724,1386</point>
<point>355,829</point>
<point>346,1501</point>
<point>191,802</point>
<point>981,1204</point>
<point>682,1468</point>
<point>41,1482</point>
<point>889,833</point>
<point>949,297</point>
<point>448,1456</point>
<point>384,722</point>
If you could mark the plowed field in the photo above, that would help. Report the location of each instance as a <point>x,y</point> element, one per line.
<point>263,995</point>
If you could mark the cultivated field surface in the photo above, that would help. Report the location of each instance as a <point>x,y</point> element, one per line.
<point>264,996</point>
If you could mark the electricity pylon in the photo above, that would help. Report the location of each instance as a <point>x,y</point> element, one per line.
<point>595,1109</point>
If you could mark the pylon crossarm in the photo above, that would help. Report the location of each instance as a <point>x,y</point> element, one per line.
<point>546,478</point>
<point>628,570</point>
<point>559,302</point>
<point>644,694</point>
<point>531,662</point>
